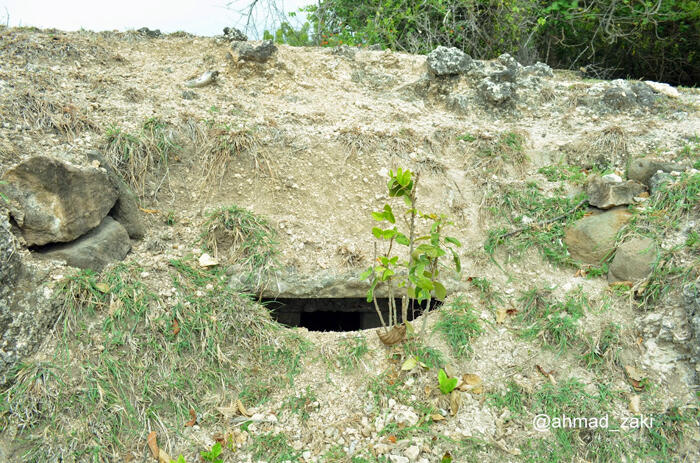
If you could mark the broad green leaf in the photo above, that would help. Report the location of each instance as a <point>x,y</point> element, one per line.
<point>440,291</point>
<point>401,239</point>
<point>411,292</point>
<point>387,273</point>
<point>454,241</point>
<point>364,275</point>
<point>388,214</point>
<point>388,234</point>
<point>377,232</point>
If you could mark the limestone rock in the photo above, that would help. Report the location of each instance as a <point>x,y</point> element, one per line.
<point>663,88</point>
<point>496,92</point>
<point>605,193</point>
<point>622,94</point>
<point>258,53</point>
<point>445,61</point>
<point>26,318</point>
<point>53,201</point>
<point>592,239</point>
<point>658,180</point>
<point>509,62</point>
<point>643,169</point>
<point>126,208</point>
<point>234,35</point>
<point>9,254</point>
<point>107,243</point>
<point>538,69</point>
<point>691,299</point>
<point>633,260</point>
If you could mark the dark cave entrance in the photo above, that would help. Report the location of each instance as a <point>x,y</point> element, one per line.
<point>334,314</point>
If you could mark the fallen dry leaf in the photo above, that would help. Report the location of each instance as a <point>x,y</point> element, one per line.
<point>410,363</point>
<point>149,211</point>
<point>455,402</point>
<point>163,457</point>
<point>241,408</point>
<point>620,284</point>
<point>634,373</point>
<point>635,403</point>
<point>437,417</point>
<point>193,419</point>
<point>501,315</point>
<point>176,327</point>
<point>218,437</point>
<point>471,383</point>
<point>511,312</point>
<point>391,439</point>
<point>152,444</point>
<point>102,287</point>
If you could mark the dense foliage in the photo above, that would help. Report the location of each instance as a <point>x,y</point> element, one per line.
<point>649,39</point>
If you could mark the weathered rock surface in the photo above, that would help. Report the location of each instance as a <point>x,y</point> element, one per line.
<point>658,180</point>
<point>52,201</point>
<point>325,284</point>
<point>258,53</point>
<point>496,92</point>
<point>445,61</point>
<point>26,317</point>
<point>107,243</point>
<point>10,263</point>
<point>691,299</point>
<point>234,35</point>
<point>643,169</point>
<point>592,239</point>
<point>538,69</point>
<point>126,208</point>
<point>633,260</point>
<point>622,94</point>
<point>605,193</point>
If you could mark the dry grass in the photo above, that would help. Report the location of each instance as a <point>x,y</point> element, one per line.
<point>139,156</point>
<point>600,149</point>
<point>356,141</point>
<point>40,113</point>
<point>494,153</point>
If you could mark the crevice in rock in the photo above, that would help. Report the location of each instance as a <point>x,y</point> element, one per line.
<point>334,314</point>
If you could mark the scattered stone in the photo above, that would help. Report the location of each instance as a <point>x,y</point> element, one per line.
<point>445,61</point>
<point>658,180</point>
<point>538,69</point>
<point>662,88</point>
<point>149,33</point>
<point>509,62</point>
<point>234,35</point>
<point>258,53</point>
<point>207,78</point>
<point>205,260</point>
<point>622,94</point>
<point>592,239</point>
<point>126,208</point>
<point>107,243</point>
<point>606,193</point>
<point>633,260</point>
<point>412,452</point>
<point>398,459</point>
<point>496,92</point>
<point>188,95</point>
<point>375,47</point>
<point>53,201</point>
<point>346,51</point>
<point>643,169</point>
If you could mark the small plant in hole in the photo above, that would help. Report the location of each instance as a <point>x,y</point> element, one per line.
<point>353,349</point>
<point>170,218</point>
<point>466,137</point>
<point>446,384</point>
<point>422,266</point>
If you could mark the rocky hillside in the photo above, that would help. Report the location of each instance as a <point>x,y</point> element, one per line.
<point>151,184</point>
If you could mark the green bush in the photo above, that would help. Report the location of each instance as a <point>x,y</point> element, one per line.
<point>612,38</point>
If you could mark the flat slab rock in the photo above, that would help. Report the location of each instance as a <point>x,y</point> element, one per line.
<point>53,201</point>
<point>325,284</point>
<point>610,191</point>
<point>107,243</point>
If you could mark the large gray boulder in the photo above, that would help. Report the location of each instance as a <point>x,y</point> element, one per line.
<point>52,201</point>
<point>107,243</point>
<point>642,169</point>
<point>633,260</point>
<point>610,191</point>
<point>258,53</point>
<point>126,208</point>
<point>444,61</point>
<point>592,239</point>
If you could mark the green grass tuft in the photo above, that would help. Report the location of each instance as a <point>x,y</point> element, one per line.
<point>459,325</point>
